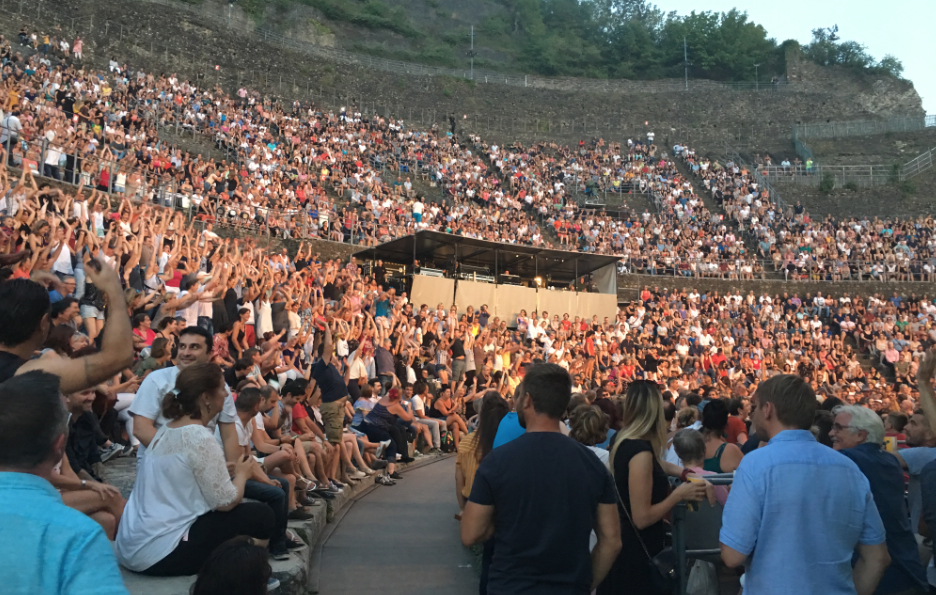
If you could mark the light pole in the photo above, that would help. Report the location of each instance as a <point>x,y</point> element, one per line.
<point>472,53</point>
<point>756,78</point>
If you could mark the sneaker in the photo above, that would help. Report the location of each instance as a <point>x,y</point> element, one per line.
<point>357,475</point>
<point>368,471</point>
<point>435,451</point>
<point>385,481</point>
<point>323,494</point>
<point>381,447</point>
<point>294,544</point>
<point>336,486</point>
<point>280,555</point>
<point>406,460</point>
<point>418,455</point>
<point>305,499</point>
<point>273,584</point>
<point>127,451</point>
<point>379,464</point>
<point>300,515</point>
<point>110,452</point>
<point>395,475</point>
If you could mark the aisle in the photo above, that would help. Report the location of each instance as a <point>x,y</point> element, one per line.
<point>401,540</point>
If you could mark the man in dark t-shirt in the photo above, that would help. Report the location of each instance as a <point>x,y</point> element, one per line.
<point>538,498</point>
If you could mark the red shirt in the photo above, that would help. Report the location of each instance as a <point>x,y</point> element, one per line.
<point>736,427</point>
<point>298,412</point>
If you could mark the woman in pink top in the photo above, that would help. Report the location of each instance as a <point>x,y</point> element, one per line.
<point>690,448</point>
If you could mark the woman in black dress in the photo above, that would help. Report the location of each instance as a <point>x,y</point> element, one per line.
<point>635,455</point>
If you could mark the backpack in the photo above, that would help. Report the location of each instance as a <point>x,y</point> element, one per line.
<point>448,442</point>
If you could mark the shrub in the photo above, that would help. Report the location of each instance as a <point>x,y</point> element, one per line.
<point>907,187</point>
<point>851,186</point>
<point>827,184</point>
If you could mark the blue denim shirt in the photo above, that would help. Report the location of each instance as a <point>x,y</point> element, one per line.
<point>798,510</point>
<point>49,548</point>
<point>887,486</point>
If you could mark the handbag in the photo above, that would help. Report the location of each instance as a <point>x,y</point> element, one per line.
<point>663,565</point>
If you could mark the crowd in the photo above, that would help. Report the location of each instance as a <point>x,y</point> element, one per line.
<point>303,172</point>
<point>834,249</point>
<point>231,371</point>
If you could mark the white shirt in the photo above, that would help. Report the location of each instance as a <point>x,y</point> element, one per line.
<point>149,398</point>
<point>184,477</point>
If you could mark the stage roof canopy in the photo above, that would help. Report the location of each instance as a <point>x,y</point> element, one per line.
<point>524,261</point>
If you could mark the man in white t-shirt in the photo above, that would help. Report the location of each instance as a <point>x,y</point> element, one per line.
<point>418,404</point>
<point>194,348</point>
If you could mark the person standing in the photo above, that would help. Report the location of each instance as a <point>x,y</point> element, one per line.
<point>858,433</point>
<point>797,511</point>
<point>635,462</point>
<point>539,497</point>
<point>46,546</point>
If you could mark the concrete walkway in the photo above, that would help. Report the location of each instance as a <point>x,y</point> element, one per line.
<point>402,540</point>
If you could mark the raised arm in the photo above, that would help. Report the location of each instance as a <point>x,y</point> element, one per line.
<point>116,348</point>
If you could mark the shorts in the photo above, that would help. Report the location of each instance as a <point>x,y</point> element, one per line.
<point>333,419</point>
<point>458,370</point>
<point>88,311</point>
<point>417,217</point>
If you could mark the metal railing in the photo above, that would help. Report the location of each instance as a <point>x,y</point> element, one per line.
<point>733,156</point>
<point>798,175</point>
<point>917,165</point>
<point>863,127</point>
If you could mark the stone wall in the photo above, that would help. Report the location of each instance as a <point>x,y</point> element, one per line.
<point>630,285</point>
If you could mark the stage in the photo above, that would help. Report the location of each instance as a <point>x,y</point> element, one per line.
<point>445,268</point>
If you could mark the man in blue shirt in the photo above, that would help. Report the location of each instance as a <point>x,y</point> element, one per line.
<point>46,547</point>
<point>798,510</point>
<point>858,433</point>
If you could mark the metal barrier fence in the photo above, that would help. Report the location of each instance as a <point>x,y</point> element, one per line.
<point>917,165</point>
<point>799,175</point>
<point>863,127</point>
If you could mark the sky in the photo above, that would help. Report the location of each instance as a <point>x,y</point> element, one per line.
<point>902,29</point>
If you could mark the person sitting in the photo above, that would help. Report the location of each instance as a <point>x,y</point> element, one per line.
<point>159,356</point>
<point>444,408</point>
<point>47,546</point>
<point>477,445</point>
<point>184,503</point>
<point>143,333</point>
<point>238,566</point>
<point>690,448</point>
<point>590,427</point>
<point>376,425</point>
<point>25,323</point>
<point>720,457</point>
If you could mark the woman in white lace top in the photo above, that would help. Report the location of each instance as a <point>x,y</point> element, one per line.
<point>184,503</point>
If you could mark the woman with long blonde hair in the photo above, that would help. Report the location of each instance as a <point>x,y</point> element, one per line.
<point>645,498</point>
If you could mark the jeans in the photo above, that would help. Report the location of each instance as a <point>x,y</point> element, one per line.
<point>275,498</point>
<point>458,370</point>
<point>378,434</point>
<point>51,171</point>
<point>205,323</point>
<point>433,429</point>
